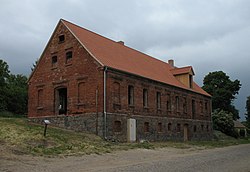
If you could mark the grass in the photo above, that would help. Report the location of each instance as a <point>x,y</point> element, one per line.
<point>21,137</point>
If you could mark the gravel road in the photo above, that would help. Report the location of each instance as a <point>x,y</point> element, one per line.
<point>228,159</point>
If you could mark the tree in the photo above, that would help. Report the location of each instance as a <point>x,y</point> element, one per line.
<point>248,111</point>
<point>223,91</point>
<point>13,91</point>
<point>4,74</point>
<point>17,94</point>
<point>223,121</point>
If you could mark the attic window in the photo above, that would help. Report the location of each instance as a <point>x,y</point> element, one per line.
<point>68,56</point>
<point>61,38</point>
<point>54,60</point>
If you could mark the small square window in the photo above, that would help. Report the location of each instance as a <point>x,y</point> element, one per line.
<point>61,38</point>
<point>159,127</point>
<point>146,127</point>
<point>117,126</point>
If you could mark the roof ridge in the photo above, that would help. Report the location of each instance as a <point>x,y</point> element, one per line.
<point>176,68</point>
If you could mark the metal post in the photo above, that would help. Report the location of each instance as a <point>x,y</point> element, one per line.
<point>45,129</point>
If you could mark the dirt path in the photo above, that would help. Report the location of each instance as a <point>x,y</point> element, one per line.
<point>234,158</point>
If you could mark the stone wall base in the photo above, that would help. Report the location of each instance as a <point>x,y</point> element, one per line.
<point>159,128</point>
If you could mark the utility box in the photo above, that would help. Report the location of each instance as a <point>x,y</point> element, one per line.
<point>131,130</point>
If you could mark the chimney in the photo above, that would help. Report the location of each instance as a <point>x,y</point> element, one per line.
<point>120,42</point>
<point>171,62</point>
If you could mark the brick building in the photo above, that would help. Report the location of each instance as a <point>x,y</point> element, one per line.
<point>86,82</point>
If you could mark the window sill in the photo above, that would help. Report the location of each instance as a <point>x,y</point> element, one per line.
<point>68,64</point>
<point>80,104</point>
<point>54,67</point>
<point>60,42</point>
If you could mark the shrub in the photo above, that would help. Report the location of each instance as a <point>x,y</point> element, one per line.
<point>223,121</point>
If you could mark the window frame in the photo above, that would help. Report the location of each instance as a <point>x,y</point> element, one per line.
<point>158,100</point>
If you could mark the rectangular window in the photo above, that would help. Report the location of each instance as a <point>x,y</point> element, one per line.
<point>130,95</point>
<point>61,38</point>
<point>201,106</point>
<point>177,103</point>
<point>206,106</point>
<point>68,56</point>
<point>158,100</point>
<point>145,98</point>
<point>185,105</point>
<point>168,103</point>
<point>146,127</point>
<point>54,61</point>
<point>193,108</point>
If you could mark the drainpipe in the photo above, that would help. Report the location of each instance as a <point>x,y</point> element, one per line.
<point>104,104</point>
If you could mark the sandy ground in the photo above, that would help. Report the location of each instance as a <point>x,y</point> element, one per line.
<point>233,158</point>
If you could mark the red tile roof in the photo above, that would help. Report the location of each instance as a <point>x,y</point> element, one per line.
<point>115,55</point>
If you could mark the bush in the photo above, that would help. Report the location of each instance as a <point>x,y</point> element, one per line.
<point>8,114</point>
<point>223,121</point>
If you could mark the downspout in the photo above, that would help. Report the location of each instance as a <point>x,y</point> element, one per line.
<point>104,104</point>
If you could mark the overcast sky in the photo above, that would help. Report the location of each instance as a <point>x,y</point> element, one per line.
<point>209,35</point>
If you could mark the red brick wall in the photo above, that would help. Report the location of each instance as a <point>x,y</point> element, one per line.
<point>153,87</point>
<point>81,68</point>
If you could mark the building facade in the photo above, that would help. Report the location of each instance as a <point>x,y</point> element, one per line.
<point>86,82</point>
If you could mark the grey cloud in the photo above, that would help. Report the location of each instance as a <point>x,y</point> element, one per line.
<point>209,35</point>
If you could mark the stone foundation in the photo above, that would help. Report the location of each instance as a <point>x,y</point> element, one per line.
<point>196,129</point>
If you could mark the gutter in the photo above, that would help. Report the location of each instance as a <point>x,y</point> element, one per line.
<point>104,103</point>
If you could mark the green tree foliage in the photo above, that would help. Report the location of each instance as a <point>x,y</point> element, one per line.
<point>17,94</point>
<point>223,91</point>
<point>223,121</point>
<point>248,111</point>
<point>13,91</point>
<point>4,74</point>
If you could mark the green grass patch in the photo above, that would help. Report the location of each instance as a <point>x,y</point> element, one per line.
<point>22,137</point>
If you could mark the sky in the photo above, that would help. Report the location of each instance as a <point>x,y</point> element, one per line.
<point>208,35</point>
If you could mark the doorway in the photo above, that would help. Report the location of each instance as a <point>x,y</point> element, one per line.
<point>61,101</point>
